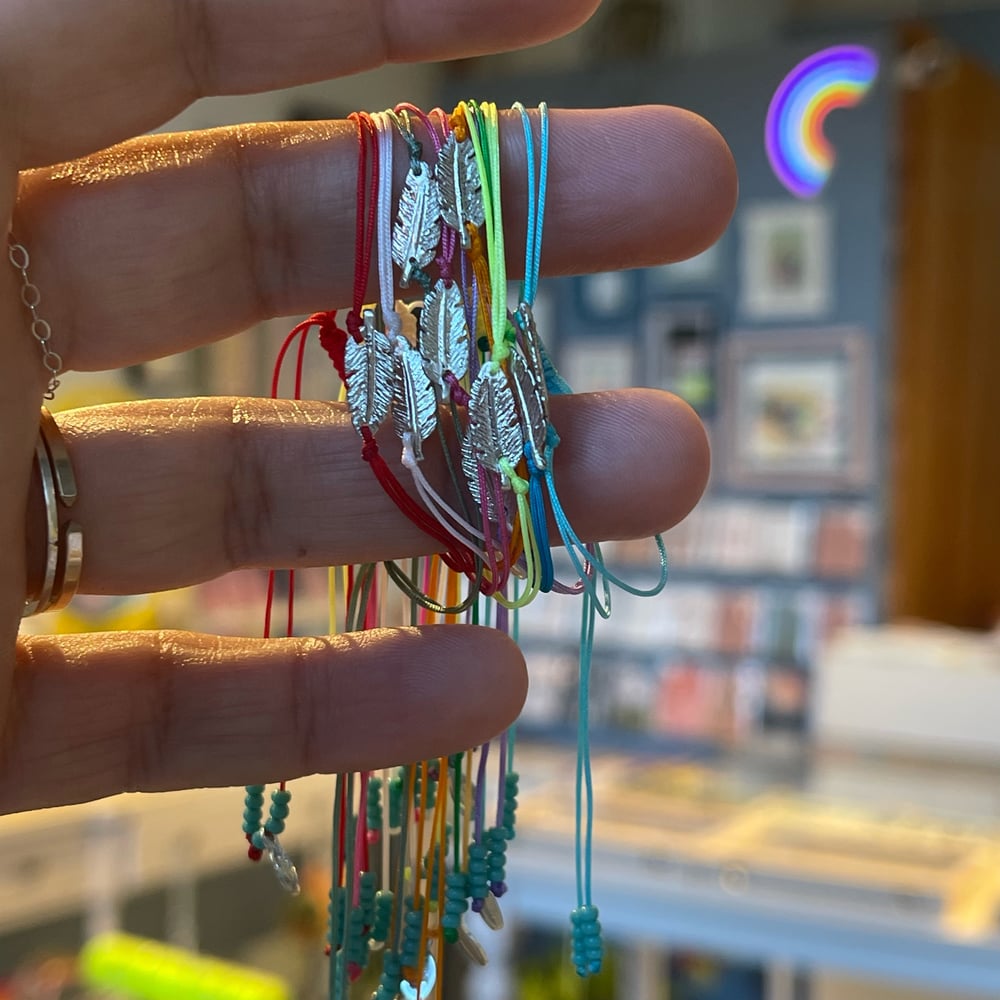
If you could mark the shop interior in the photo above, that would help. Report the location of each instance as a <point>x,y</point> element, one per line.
<point>796,759</point>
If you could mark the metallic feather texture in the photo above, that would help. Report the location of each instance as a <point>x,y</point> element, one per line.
<point>417,232</point>
<point>414,404</point>
<point>494,432</point>
<point>530,391</point>
<point>528,377</point>
<point>368,367</point>
<point>461,186</point>
<point>444,335</point>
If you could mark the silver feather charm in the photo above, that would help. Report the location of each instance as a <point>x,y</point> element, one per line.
<point>368,367</point>
<point>494,433</point>
<point>461,186</point>
<point>417,232</point>
<point>444,335</point>
<point>529,387</point>
<point>528,376</point>
<point>414,405</point>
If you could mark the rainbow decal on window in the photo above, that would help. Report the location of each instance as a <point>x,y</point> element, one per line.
<point>800,154</point>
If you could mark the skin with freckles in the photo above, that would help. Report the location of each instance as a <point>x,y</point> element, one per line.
<point>143,247</point>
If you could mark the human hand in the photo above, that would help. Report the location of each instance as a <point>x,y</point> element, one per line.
<point>162,243</point>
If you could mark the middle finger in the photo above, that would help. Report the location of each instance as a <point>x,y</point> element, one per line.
<point>173,492</point>
<point>169,241</point>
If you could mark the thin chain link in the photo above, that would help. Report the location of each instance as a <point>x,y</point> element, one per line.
<point>40,328</point>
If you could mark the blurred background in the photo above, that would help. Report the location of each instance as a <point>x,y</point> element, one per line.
<point>796,754</point>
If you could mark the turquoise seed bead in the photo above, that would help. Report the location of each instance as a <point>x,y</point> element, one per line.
<point>383,915</point>
<point>396,802</point>
<point>588,947</point>
<point>335,911</point>
<point>510,803</point>
<point>278,812</point>
<point>251,822</point>
<point>496,859</point>
<point>373,805</point>
<point>392,975</point>
<point>366,897</point>
<point>456,903</point>
<point>479,877</point>
<point>412,924</point>
<point>356,943</point>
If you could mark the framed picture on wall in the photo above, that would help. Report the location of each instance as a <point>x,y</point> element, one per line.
<point>798,410</point>
<point>786,261</point>
<point>678,350</point>
<point>595,363</point>
<point>606,297</point>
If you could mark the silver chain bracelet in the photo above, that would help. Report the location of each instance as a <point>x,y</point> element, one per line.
<point>40,328</point>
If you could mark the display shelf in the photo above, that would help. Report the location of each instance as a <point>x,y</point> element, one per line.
<point>779,581</point>
<point>700,859</point>
<point>618,740</point>
<point>86,857</point>
<point>863,870</point>
<point>638,901</point>
<point>720,658</point>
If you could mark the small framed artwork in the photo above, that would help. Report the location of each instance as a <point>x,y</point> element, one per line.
<point>678,348</point>
<point>799,411</point>
<point>596,363</point>
<point>786,261</point>
<point>786,701</point>
<point>606,297</point>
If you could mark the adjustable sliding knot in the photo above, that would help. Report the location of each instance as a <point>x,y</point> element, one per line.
<point>423,279</point>
<point>369,450</point>
<point>443,262</point>
<point>517,484</point>
<point>333,340</point>
<point>475,249</point>
<point>458,391</point>
<point>354,326</point>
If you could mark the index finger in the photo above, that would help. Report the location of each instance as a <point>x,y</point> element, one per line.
<point>167,242</point>
<point>84,74</point>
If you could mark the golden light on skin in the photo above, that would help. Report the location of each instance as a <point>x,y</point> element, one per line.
<point>170,150</point>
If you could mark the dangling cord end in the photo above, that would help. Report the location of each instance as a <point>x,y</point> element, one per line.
<point>587,942</point>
